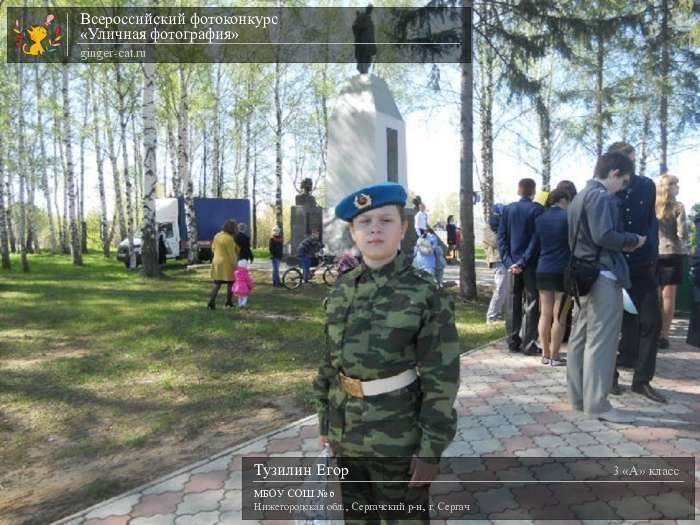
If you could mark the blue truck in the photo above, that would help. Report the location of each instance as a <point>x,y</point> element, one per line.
<point>171,217</point>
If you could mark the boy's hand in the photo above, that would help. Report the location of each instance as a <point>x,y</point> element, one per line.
<point>641,241</point>
<point>422,472</point>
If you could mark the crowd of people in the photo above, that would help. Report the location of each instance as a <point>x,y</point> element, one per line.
<point>615,252</point>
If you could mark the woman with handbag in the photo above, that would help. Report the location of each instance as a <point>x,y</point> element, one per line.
<point>673,249</point>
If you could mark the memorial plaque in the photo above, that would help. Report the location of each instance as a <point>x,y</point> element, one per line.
<point>392,155</point>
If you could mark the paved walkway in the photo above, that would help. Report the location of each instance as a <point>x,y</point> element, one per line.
<point>509,405</point>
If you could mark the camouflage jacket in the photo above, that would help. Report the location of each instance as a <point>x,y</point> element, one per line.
<point>380,323</point>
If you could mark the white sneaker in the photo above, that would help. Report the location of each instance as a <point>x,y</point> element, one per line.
<point>616,416</point>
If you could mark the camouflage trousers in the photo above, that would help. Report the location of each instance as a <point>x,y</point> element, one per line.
<point>376,438</point>
<point>373,496</point>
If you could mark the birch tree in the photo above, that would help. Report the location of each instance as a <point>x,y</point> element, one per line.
<point>81,203</point>
<point>112,152</point>
<point>21,168</point>
<point>123,87</point>
<point>99,161</point>
<point>183,166</point>
<point>4,241</point>
<point>278,150</point>
<point>68,137</point>
<point>44,172</point>
<point>149,242</point>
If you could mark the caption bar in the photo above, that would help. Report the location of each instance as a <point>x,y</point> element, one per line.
<point>253,35</point>
<point>471,488</point>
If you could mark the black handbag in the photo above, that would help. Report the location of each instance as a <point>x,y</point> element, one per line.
<point>580,275</point>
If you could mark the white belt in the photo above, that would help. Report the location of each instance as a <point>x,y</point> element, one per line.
<point>358,388</point>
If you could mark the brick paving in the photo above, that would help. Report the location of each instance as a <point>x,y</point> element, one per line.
<point>508,405</point>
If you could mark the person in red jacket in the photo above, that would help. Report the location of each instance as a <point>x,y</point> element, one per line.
<point>276,247</point>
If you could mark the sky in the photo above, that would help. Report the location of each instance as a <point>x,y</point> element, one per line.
<point>433,163</point>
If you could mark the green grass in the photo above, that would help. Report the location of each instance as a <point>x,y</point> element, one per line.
<point>103,361</point>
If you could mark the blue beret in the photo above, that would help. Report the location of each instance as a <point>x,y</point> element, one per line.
<point>369,198</point>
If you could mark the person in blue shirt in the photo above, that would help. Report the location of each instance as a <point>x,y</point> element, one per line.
<point>515,233</point>
<point>550,252</point>
<point>639,343</point>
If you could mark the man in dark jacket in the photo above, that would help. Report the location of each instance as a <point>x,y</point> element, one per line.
<point>515,232</point>
<point>693,337</point>
<point>640,333</point>
<point>243,242</point>
<point>308,249</point>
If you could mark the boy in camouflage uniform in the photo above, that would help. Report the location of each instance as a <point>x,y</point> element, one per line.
<point>390,373</point>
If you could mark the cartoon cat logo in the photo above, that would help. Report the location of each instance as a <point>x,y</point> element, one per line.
<point>36,34</point>
<point>31,40</point>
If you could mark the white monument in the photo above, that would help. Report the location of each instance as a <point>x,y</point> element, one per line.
<point>366,145</point>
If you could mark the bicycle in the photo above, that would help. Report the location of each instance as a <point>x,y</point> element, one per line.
<point>293,277</point>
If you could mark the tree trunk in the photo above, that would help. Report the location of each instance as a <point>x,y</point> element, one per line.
<point>324,115</point>
<point>44,172</point>
<point>151,268</point>
<point>664,71</point>
<point>486,120</point>
<point>8,213</point>
<point>21,165</point>
<point>467,273</point>
<point>254,196</point>
<point>183,168</point>
<point>205,153</point>
<point>118,196</point>
<point>599,102</point>
<point>643,154</point>
<point>68,136</point>
<point>217,182</point>
<point>56,182</point>
<point>121,96</point>
<point>247,151</point>
<point>278,152</point>
<point>545,133</point>
<point>5,262</point>
<point>81,206</point>
<point>99,159</point>
<point>138,168</point>
<point>62,212</point>
<point>174,155</point>
<point>32,234</point>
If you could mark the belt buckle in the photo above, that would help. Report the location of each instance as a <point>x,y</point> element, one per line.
<point>352,386</point>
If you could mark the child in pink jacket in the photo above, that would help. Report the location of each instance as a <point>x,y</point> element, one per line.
<point>243,284</point>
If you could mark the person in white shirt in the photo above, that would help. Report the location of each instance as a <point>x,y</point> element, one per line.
<point>420,222</point>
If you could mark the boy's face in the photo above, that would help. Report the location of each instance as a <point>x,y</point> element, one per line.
<point>616,182</point>
<point>378,234</point>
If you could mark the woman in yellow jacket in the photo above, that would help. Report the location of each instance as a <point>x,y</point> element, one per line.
<point>223,262</point>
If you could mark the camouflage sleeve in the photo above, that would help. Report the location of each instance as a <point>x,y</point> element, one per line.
<point>322,383</point>
<point>437,353</point>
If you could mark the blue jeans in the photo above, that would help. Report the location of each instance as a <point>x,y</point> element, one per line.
<point>306,262</point>
<point>276,272</point>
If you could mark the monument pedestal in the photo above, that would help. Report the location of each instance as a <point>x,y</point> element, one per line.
<point>366,145</point>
